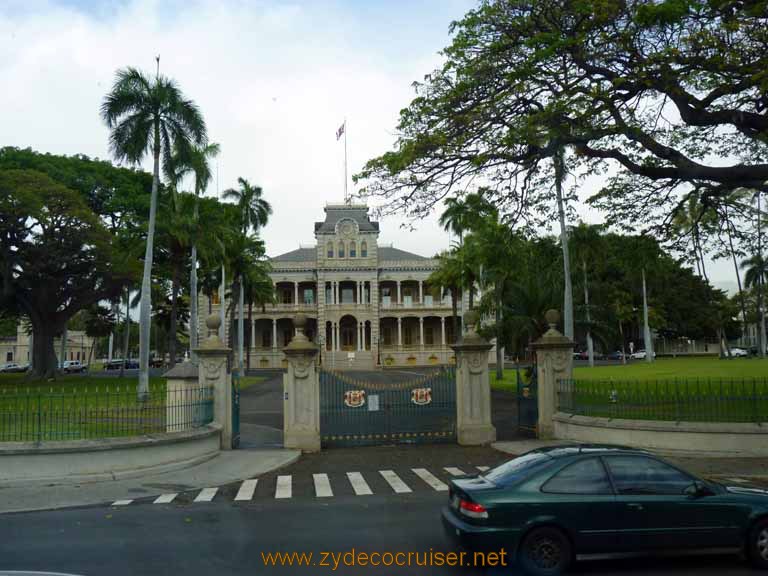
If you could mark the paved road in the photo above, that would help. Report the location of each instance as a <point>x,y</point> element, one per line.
<point>226,538</point>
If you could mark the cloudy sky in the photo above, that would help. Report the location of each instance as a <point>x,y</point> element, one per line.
<point>274,79</point>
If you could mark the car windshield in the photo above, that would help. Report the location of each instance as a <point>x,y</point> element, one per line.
<point>517,468</point>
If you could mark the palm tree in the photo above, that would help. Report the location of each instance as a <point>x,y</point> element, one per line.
<point>198,164</point>
<point>254,214</point>
<point>558,161</point>
<point>258,291</point>
<point>586,240</point>
<point>448,275</point>
<point>755,275</point>
<point>144,115</point>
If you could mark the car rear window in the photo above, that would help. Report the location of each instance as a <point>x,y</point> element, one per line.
<point>517,468</point>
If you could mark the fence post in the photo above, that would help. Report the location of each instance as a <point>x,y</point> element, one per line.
<point>301,392</point>
<point>183,409</point>
<point>554,361</point>
<point>213,372</point>
<point>473,387</point>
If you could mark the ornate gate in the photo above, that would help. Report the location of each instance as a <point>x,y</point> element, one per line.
<point>527,401</point>
<point>363,413</point>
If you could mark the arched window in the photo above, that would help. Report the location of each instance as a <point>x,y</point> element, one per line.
<point>352,250</point>
<point>363,250</point>
<point>341,249</point>
<point>330,249</point>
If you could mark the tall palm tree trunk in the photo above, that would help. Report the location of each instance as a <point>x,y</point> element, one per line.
<point>559,162</point>
<point>174,312</point>
<point>646,326</point>
<point>729,228</point>
<point>623,350</point>
<point>193,319</point>
<point>63,348</point>
<point>127,338</point>
<point>760,310</point>
<point>590,344</point>
<point>499,348</point>
<point>240,327</point>
<point>146,282</point>
<point>222,307</point>
<point>251,331</point>
<point>455,310</point>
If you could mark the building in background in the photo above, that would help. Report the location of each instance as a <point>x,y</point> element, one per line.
<point>18,348</point>
<point>368,305</point>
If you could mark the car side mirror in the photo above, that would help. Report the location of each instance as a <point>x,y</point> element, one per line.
<point>698,489</point>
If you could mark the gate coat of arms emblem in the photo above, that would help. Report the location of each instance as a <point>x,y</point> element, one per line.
<point>354,398</point>
<point>421,396</point>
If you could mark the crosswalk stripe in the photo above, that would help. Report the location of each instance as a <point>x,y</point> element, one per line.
<point>121,502</point>
<point>430,479</point>
<point>453,471</point>
<point>247,488</point>
<point>482,468</point>
<point>206,495</point>
<point>395,482</point>
<point>283,488</point>
<point>322,486</point>
<point>359,485</point>
<point>165,498</point>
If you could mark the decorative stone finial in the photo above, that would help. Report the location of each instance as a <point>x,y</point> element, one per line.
<point>300,323</point>
<point>471,318</point>
<point>300,342</point>
<point>213,322</point>
<point>552,317</point>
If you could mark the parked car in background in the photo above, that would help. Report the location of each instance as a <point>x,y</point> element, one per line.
<point>116,364</point>
<point>74,367</point>
<point>550,504</point>
<point>739,353</point>
<point>617,355</point>
<point>640,355</point>
<point>13,367</point>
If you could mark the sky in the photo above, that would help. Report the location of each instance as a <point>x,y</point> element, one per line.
<point>274,80</point>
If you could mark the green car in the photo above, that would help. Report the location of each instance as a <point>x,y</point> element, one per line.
<point>548,505</point>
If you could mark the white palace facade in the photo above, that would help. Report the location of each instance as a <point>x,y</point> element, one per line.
<point>368,305</point>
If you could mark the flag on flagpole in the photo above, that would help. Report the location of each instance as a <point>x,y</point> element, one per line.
<point>340,131</point>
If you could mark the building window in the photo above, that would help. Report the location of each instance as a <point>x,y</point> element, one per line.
<point>341,249</point>
<point>330,249</point>
<point>352,250</point>
<point>9,356</point>
<point>309,296</point>
<point>363,250</point>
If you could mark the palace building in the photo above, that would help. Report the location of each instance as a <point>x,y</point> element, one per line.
<point>368,304</point>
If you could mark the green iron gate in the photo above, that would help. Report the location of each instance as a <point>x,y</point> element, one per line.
<point>362,413</point>
<point>527,401</point>
<point>235,410</point>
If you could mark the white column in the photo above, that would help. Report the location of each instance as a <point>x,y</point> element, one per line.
<point>398,292</point>
<point>359,297</point>
<point>421,292</point>
<point>296,293</point>
<point>364,347</point>
<point>274,333</point>
<point>421,332</point>
<point>253,333</point>
<point>399,330</point>
<point>359,336</point>
<point>336,299</point>
<point>333,336</point>
<point>442,329</point>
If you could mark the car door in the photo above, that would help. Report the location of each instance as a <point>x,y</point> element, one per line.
<point>580,498</point>
<point>655,512</point>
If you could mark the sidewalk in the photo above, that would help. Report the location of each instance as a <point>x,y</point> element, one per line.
<point>226,467</point>
<point>702,463</point>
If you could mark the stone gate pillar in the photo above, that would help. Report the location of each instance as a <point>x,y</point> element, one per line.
<point>554,361</point>
<point>214,371</point>
<point>473,387</point>
<point>301,392</point>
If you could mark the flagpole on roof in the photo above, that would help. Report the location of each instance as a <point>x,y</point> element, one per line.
<point>346,197</point>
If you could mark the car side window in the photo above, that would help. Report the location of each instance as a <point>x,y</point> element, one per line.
<point>586,476</point>
<point>642,475</point>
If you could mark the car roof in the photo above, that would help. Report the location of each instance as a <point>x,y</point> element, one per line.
<point>566,450</point>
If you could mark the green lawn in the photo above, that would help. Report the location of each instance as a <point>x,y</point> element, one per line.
<point>674,389</point>
<point>77,407</point>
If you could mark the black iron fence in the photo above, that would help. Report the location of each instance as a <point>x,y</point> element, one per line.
<point>45,413</point>
<point>688,400</point>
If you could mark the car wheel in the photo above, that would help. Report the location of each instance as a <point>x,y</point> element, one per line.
<point>757,547</point>
<point>545,552</point>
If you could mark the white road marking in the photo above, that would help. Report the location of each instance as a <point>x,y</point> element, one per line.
<point>206,495</point>
<point>165,498</point>
<point>482,468</point>
<point>322,486</point>
<point>453,471</point>
<point>121,502</point>
<point>430,479</point>
<point>283,489</point>
<point>359,485</point>
<point>247,488</point>
<point>395,482</point>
